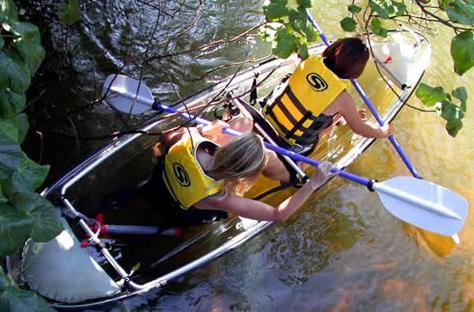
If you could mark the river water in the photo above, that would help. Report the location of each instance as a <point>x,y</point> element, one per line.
<point>344,251</point>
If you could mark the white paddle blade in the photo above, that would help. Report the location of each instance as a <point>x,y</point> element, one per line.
<point>127,95</point>
<point>424,204</point>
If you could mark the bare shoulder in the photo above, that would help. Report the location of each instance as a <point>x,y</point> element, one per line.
<point>340,103</point>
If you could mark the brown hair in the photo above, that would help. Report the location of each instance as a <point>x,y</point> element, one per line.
<point>346,57</point>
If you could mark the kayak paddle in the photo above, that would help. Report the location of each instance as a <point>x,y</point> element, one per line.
<point>419,202</point>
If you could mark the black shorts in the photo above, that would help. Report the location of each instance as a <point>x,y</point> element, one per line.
<point>157,195</point>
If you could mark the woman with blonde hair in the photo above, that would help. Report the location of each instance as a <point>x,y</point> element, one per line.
<point>206,173</point>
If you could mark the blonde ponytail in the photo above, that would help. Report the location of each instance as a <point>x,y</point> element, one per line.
<point>237,162</point>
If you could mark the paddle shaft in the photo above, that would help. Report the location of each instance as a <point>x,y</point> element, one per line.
<point>371,107</point>
<point>275,148</point>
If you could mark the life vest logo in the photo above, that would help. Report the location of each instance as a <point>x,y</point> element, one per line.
<point>317,82</point>
<point>181,175</point>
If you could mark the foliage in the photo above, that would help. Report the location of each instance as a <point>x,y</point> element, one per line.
<point>23,213</point>
<point>14,299</point>
<point>452,113</point>
<point>289,29</point>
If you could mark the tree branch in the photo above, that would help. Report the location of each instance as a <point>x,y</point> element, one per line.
<point>439,19</point>
<point>208,46</point>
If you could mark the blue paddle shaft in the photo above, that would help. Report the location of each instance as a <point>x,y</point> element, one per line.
<point>371,107</point>
<point>277,149</point>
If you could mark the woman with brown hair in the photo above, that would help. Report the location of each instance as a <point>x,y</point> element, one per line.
<point>206,174</point>
<point>315,96</point>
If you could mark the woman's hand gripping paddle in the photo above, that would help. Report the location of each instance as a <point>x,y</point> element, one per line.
<point>419,202</point>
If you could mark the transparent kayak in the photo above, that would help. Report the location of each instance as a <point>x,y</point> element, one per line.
<point>84,268</point>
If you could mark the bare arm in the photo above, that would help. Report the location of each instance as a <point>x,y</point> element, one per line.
<point>345,105</point>
<point>253,209</point>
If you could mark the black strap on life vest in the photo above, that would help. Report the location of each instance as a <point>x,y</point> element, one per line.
<point>308,137</point>
<point>309,134</point>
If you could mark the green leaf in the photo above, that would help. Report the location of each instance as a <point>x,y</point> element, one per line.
<point>275,11</point>
<point>348,24</point>
<point>429,95</point>
<point>12,75</point>
<point>297,21</point>
<point>14,299</point>
<point>380,7</point>
<point>3,199</point>
<point>400,7</point>
<point>391,9</point>
<point>27,31</point>
<point>353,8</point>
<point>10,156</point>
<point>453,126</point>
<point>443,4</point>
<point>2,42</point>
<point>310,33</point>
<point>303,51</point>
<point>8,127</point>
<point>29,175</point>
<point>9,10</point>
<point>69,12</point>
<point>304,3</point>
<point>461,94</point>
<point>461,12</point>
<point>286,43</point>
<point>450,111</point>
<point>46,222</point>
<point>30,53</point>
<point>377,28</point>
<point>462,51</point>
<point>14,128</point>
<point>2,15</point>
<point>15,226</point>
<point>11,103</point>
<point>22,126</point>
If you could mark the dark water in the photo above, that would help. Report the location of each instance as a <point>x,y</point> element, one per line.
<point>137,40</point>
<point>343,251</point>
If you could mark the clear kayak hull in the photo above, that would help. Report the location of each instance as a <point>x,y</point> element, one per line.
<point>136,264</point>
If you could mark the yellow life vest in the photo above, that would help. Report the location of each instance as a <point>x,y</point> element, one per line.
<point>184,177</point>
<point>310,90</point>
